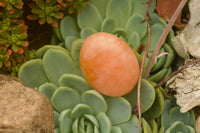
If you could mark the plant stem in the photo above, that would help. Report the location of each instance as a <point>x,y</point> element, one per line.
<point>162,82</point>
<point>163,37</point>
<point>143,61</point>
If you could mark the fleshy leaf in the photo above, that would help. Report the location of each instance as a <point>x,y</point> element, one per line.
<point>57,33</point>
<point>146,127</point>
<point>153,125</point>
<point>108,25</point>
<point>180,127</point>
<point>116,129</point>
<point>40,52</point>
<point>121,33</point>
<point>130,126</point>
<point>80,109</point>
<point>95,100</point>
<point>146,100</point>
<point>157,107</point>
<point>170,56</point>
<point>119,10</point>
<point>156,31</point>
<point>74,81</point>
<point>75,53</point>
<point>32,73</point>
<point>100,5</point>
<point>75,126</point>
<point>165,122</point>
<point>92,119</point>
<point>134,25</point>
<point>65,98</point>
<point>159,62</point>
<point>140,8</point>
<point>104,123</point>
<point>56,63</point>
<point>175,115</point>
<point>90,17</point>
<point>65,121</point>
<point>68,27</point>
<point>87,31</point>
<point>48,89</point>
<point>56,115</point>
<point>134,41</point>
<point>117,106</point>
<point>68,41</point>
<point>158,75</point>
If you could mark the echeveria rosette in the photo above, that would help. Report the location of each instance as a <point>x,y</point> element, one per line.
<point>123,19</point>
<point>46,11</point>
<point>54,73</point>
<point>78,108</point>
<point>172,120</point>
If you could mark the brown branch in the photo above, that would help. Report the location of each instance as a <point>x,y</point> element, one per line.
<point>163,37</point>
<point>162,82</point>
<point>143,61</point>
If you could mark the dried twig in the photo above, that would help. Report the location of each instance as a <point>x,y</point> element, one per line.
<point>163,37</point>
<point>147,17</point>
<point>162,82</point>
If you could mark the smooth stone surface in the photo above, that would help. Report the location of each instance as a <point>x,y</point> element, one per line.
<point>22,109</point>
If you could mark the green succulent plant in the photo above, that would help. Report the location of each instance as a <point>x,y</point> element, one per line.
<point>73,6</point>
<point>122,18</point>
<point>11,5</point>
<point>55,68</point>
<point>172,120</point>
<point>14,38</point>
<point>46,11</point>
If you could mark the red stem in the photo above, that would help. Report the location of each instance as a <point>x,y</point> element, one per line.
<point>163,37</point>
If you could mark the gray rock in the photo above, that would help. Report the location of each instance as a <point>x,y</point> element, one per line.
<point>22,109</point>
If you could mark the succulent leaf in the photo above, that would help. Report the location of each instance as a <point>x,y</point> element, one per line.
<point>68,27</point>
<point>87,31</point>
<point>116,129</point>
<point>40,52</point>
<point>130,126</point>
<point>108,25</point>
<point>104,123</point>
<point>120,16</point>
<point>71,80</point>
<point>65,121</point>
<point>32,73</point>
<point>75,53</point>
<point>134,41</point>
<point>146,100</point>
<point>90,17</point>
<point>134,24</point>
<point>157,107</point>
<point>95,100</point>
<point>80,109</point>
<point>116,106</point>
<point>56,63</point>
<point>65,98</point>
<point>100,5</point>
<point>68,41</point>
<point>48,89</point>
<point>146,127</point>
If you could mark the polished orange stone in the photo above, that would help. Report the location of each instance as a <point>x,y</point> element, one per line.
<point>109,64</point>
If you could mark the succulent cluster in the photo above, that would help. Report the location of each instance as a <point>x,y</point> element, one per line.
<point>173,120</point>
<point>50,11</point>
<point>123,19</point>
<point>77,107</point>
<point>13,36</point>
